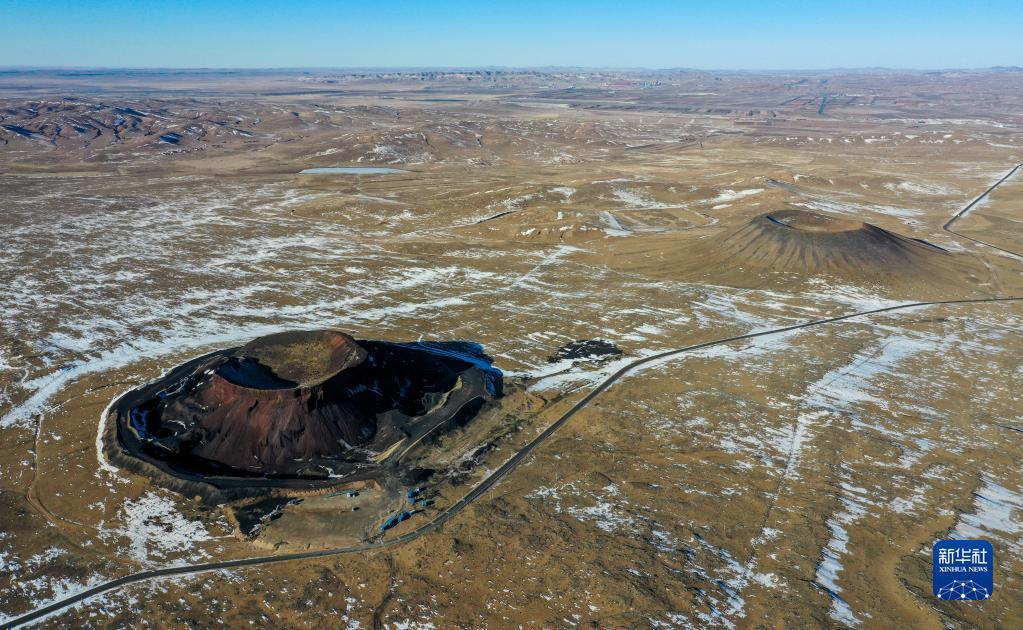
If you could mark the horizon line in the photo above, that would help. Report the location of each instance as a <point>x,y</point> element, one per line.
<point>457,68</point>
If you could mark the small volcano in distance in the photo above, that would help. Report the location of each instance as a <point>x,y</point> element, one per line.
<point>301,406</point>
<point>789,246</point>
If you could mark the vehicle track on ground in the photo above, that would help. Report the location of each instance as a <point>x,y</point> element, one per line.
<point>485,485</point>
<point>966,209</point>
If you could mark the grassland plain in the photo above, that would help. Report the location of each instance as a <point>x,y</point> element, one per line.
<point>794,478</point>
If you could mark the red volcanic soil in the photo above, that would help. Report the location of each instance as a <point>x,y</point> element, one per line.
<point>305,358</point>
<point>301,405</point>
<point>273,403</point>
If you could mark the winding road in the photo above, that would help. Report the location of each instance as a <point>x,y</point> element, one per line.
<point>495,477</point>
<point>512,463</point>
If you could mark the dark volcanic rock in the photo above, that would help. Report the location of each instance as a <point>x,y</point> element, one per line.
<point>585,349</point>
<point>303,405</point>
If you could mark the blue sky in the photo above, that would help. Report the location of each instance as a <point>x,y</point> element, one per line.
<point>597,33</point>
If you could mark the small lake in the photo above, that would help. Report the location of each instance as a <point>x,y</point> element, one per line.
<point>351,170</point>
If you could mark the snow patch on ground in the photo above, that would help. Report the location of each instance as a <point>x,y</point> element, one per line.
<point>729,195</point>
<point>604,508</point>
<point>564,191</point>
<point>614,227</point>
<point>921,189</point>
<point>830,565</point>
<point>636,199</point>
<point>857,208</point>
<point>997,514</point>
<point>155,529</point>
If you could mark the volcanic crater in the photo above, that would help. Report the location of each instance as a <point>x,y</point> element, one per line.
<point>300,409</point>
<point>792,245</point>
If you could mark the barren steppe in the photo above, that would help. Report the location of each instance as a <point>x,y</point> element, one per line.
<point>796,477</point>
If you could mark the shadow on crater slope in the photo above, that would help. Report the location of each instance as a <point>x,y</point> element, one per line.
<point>787,247</point>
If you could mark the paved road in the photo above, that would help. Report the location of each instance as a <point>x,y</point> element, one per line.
<point>514,461</point>
<point>452,510</point>
<point>959,215</point>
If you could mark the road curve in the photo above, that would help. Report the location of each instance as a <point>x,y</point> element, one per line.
<point>452,510</point>
<point>959,215</point>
